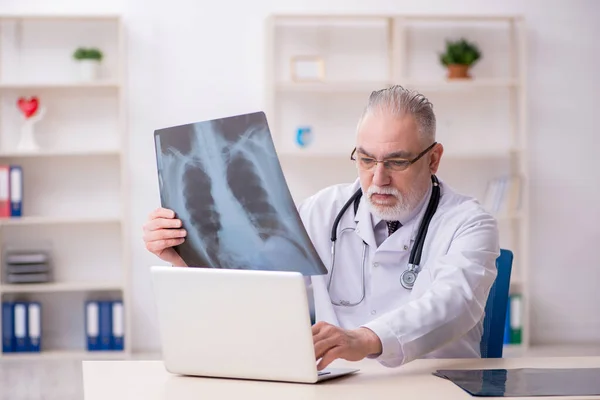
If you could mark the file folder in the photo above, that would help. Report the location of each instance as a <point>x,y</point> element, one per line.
<point>21,335</point>
<point>516,322</point>
<point>35,327</point>
<point>118,322</point>
<point>4,191</point>
<point>8,335</point>
<point>105,314</point>
<point>16,191</point>
<point>92,330</point>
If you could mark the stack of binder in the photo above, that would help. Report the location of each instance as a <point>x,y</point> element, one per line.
<point>21,327</point>
<point>104,321</point>
<point>11,191</point>
<point>27,267</point>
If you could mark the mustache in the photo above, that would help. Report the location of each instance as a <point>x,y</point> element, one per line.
<point>374,189</point>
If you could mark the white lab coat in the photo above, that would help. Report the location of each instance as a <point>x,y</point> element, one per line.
<point>442,317</point>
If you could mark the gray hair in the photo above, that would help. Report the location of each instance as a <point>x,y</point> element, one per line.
<point>400,101</point>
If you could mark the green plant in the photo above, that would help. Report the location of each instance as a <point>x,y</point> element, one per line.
<point>460,52</point>
<point>83,53</point>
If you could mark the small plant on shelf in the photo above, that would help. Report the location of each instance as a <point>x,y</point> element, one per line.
<point>460,55</point>
<point>89,60</point>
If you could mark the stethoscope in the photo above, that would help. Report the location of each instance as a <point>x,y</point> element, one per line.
<point>408,276</point>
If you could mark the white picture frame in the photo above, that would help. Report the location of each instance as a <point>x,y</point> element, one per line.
<point>307,69</point>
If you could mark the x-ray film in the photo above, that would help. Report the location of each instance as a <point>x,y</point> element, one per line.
<point>223,179</point>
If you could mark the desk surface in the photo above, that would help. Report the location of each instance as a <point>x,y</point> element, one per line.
<point>149,380</point>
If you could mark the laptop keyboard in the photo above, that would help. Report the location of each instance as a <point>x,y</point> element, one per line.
<point>321,373</point>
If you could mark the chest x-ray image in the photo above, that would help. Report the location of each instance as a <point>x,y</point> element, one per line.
<point>223,179</point>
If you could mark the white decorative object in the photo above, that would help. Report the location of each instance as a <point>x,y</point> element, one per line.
<point>27,141</point>
<point>307,68</point>
<point>32,113</point>
<point>89,70</point>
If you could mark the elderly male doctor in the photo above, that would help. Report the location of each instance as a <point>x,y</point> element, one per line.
<point>365,306</point>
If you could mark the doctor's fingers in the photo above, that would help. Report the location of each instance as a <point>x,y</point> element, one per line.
<point>162,223</point>
<point>158,246</point>
<point>326,344</point>
<point>161,212</point>
<point>164,234</point>
<point>330,357</point>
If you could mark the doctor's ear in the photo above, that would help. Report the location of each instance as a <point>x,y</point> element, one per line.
<point>435,157</point>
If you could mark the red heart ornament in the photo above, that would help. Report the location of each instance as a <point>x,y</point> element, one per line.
<point>28,107</point>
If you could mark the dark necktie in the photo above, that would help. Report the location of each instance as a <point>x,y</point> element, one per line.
<point>392,226</point>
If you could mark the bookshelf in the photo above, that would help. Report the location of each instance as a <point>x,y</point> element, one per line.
<point>481,121</point>
<point>75,187</point>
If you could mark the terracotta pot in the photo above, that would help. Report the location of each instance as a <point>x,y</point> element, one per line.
<point>458,71</point>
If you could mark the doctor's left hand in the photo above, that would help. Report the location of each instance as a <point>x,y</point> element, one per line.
<point>332,342</point>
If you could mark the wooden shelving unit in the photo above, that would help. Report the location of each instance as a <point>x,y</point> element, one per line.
<point>75,194</point>
<point>482,122</point>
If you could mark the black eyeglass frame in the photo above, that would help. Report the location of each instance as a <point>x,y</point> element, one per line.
<point>401,163</point>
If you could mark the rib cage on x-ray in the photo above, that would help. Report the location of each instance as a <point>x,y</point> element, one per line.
<point>224,181</point>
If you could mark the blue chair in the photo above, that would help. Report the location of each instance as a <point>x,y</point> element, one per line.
<point>492,340</point>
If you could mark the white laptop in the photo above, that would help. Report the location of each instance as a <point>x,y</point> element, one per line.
<point>234,323</point>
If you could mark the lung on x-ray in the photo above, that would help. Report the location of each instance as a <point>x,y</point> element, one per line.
<point>224,181</point>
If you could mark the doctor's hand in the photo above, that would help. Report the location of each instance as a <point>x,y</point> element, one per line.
<point>332,342</point>
<point>161,233</point>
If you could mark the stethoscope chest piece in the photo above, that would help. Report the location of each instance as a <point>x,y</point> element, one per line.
<point>408,278</point>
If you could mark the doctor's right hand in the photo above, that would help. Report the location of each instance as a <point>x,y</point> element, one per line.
<point>162,232</point>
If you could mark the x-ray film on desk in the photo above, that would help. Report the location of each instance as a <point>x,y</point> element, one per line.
<point>224,181</point>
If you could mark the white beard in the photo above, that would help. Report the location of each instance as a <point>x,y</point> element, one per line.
<point>405,204</point>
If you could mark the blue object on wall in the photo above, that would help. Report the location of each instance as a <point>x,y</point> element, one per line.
<point>304,136</point>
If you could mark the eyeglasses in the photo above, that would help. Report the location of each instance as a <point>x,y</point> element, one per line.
<point>395,164</point>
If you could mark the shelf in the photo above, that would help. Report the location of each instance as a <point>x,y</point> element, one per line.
<point>331,87</point>
<point>459,84</point>
<point>368,86</point>
<point>60,17</point>
<point>68,355</point>
<point>59,153</point>
<point>59,85</point>
<point>60,287</point>
<point>22,221</point>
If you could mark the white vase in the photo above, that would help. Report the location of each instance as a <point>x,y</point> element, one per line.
<point>89,70</point>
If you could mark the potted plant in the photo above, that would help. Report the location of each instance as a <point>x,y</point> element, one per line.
<point>89,62</point>
<point>460,55</point>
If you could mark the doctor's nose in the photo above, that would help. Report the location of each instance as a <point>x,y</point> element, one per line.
<point>381,175</point>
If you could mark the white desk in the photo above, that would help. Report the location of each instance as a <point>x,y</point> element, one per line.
<point>148,380</point>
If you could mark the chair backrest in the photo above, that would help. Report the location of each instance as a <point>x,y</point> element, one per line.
<point>492,340</point>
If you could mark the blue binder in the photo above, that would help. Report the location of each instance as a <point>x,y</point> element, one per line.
<point>92,328</point>
<point>105,325</point>
<point>20,326</point>
<point>16,191</point>
<point>118,326</point>
<point>34,327</point>
<point>8,336</point>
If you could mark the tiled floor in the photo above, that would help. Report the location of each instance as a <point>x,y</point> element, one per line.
<point>48,379</point>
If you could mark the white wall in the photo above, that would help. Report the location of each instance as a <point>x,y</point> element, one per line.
<point>191,60</point>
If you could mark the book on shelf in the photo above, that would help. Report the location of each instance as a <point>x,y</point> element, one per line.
<point>104,325</point>
<point>513,328</point>
<point>11,191</point>
<point>21,327</point>
<point>503,195</point>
